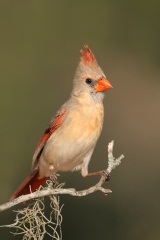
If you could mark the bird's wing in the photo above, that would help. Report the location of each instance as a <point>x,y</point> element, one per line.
<point>55,123</point>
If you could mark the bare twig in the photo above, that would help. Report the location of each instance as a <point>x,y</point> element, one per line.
<point>112,163</point>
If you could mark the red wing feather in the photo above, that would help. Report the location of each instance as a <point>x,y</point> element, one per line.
<point>55,123</point>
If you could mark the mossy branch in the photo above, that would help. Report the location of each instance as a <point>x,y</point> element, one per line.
<point>32,222</point>
<point>49,191</point>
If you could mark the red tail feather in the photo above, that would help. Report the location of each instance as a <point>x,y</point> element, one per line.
<point>31,184</point>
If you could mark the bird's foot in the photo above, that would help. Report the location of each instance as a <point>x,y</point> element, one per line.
<point>53,175</point>
<point>54,178</point>
<point>103,173</point>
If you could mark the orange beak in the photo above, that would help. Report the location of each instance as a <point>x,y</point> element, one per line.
<point>102,85</point>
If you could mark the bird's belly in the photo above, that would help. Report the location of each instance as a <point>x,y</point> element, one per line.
<point>65,155</point>
<point>68,146</point>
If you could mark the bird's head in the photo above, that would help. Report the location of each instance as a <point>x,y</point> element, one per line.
<point>90,81</point>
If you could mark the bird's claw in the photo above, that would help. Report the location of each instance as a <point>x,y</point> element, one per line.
<point>54,178</point>
<point>105,175</point>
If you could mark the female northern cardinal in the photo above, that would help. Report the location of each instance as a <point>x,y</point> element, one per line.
<point>69,141</point>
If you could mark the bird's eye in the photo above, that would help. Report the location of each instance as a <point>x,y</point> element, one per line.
<point>88,81</point>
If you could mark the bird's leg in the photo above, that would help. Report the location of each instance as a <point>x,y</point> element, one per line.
<point>103,173</point>
<point>53,175</point>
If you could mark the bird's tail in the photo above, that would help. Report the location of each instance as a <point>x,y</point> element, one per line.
<point>31,184</point>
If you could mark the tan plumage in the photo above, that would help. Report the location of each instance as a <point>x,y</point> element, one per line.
<point>69,141</point>
<point>81,127</point>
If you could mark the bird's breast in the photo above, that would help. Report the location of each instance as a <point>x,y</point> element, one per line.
<point>83,124</point>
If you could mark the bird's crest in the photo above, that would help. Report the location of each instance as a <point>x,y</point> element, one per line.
<point>87,56</point>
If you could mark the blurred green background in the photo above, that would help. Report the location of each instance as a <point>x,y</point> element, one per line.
<point>39,52</point>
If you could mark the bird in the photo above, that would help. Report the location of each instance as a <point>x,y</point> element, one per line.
<point>70,139</point>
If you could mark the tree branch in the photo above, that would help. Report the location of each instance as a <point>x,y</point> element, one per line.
<point>112,163</point>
